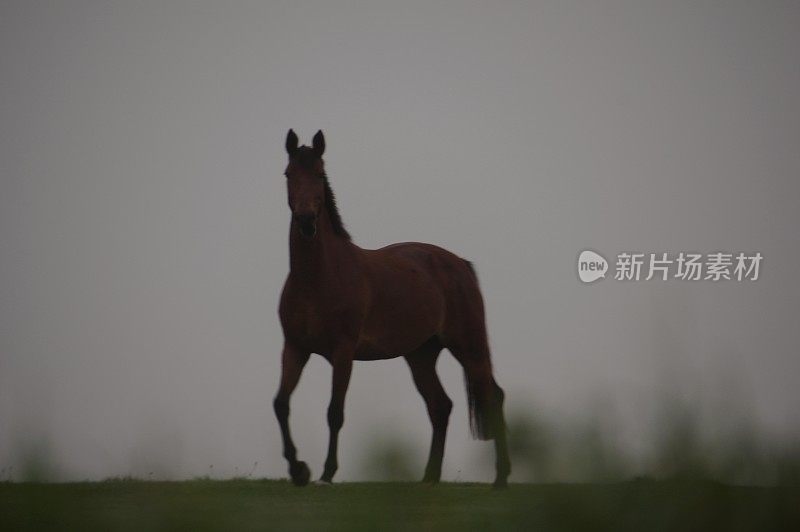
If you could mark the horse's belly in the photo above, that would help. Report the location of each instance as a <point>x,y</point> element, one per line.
<point>370,353</point>
<point>398,329</point>
<point>382,348</point>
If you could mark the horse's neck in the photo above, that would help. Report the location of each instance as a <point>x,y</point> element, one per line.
<point>314,260</point>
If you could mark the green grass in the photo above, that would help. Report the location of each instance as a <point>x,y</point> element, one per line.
<point>277,505</point>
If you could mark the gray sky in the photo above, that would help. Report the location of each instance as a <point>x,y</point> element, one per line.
<point>143,218</point>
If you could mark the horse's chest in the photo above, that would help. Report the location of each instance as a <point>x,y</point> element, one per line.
<point>310,322</point>
<point>313,325</point>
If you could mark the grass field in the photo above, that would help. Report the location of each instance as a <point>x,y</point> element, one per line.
<point>277,505</point>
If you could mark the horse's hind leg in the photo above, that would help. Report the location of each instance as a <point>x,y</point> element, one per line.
<point>503,461</point>
<point>423,369</point>
<point>485,399</point>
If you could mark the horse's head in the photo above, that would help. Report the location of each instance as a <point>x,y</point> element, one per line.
<point>305,178</point>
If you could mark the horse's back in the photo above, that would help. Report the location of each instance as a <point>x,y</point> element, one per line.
<point>453,283</point>
<point>445,266</point>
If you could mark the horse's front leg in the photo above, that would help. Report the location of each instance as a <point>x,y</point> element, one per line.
<point>342,362</point>
<point>293,362</point>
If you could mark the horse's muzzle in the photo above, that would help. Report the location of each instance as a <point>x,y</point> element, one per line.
<point>307,223</point>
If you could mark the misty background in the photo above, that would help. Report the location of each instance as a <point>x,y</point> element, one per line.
<point>144,225</point>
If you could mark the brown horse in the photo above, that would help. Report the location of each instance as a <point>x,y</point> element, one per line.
<point>346,303</point>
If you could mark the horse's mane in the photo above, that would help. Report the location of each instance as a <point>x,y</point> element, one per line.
<point>333,211</point>
<point>306,156</point>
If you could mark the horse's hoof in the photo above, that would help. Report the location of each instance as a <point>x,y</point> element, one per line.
<point>322,482</point>
<point>500,484</point>
<point>300,473</point>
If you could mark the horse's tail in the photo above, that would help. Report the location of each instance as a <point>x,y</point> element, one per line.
<point>472,270</point>
<point>478,422</point>
<point>485,407</point>
<point>484,396</point>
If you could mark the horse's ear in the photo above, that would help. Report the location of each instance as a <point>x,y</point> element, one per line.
<point>291,142</point>
<point>319,143</point>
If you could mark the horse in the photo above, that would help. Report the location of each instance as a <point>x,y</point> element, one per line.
<point>346,303</point>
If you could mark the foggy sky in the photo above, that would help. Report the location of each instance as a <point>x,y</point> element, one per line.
<point>144,225</point>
